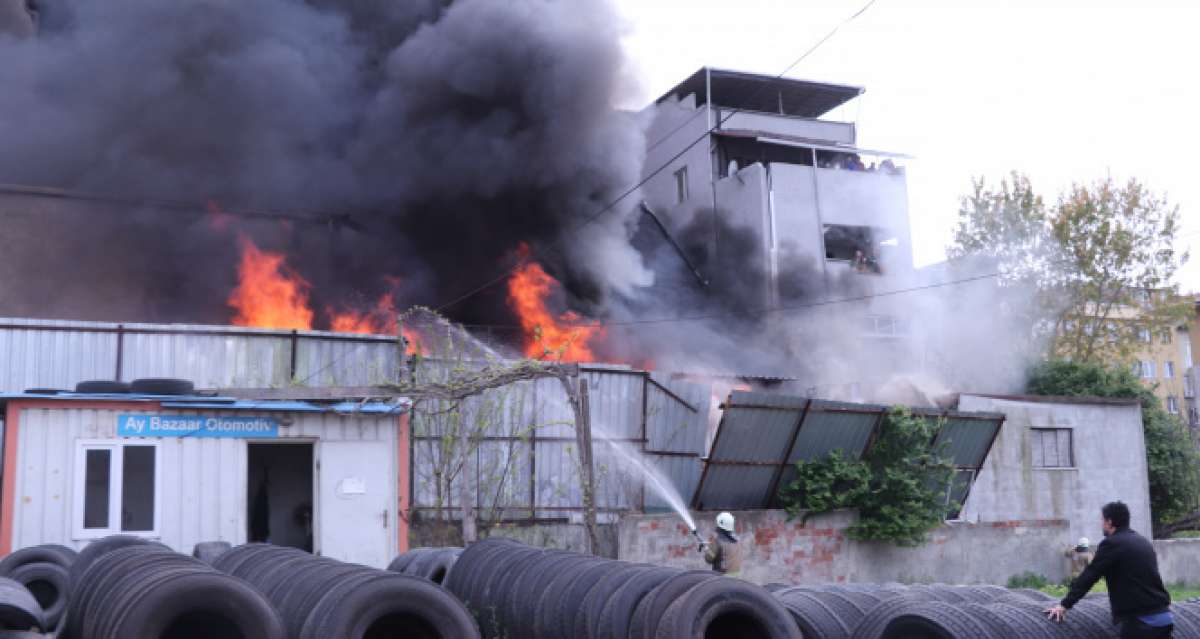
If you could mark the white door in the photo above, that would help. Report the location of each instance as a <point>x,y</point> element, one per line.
<point>356,503</point>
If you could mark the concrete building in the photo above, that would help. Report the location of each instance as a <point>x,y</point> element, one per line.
<point>1061,458</point>
<point>753,175</point>
<point>1191,380</point>
<point>328,478</point>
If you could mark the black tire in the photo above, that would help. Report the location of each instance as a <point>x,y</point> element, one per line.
<point>48,583</point>
<point>1028,621</point>
<point>94,551</point>
<point>161,386</point>
<point>208,551</point>
<point>296,599</point>
<point>587,616</point>
<point>439,570</point>
<point>45,391</point>
<point>939,620</point>
<point>727,608</point>
<point>510,603</point>
<point>528,589</point>
<point>387,604</point>
<point>102,386</point>
<point>1090,619</point>
<point>206,602</point>
<point>93,594</point>
<point>46,553</point>
<point>874,623</point>
<point>562,620</point>
<point>546,611</point>
<point>18,608</point>
<point>617,615</point>
<point>813,616</point>
<point>644,623</point>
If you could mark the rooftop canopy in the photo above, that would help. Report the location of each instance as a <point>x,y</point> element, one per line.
<point>764,93</point>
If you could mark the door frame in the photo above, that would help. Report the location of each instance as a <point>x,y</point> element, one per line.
<point>316,482</point>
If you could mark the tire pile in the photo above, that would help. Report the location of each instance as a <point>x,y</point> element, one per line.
<point>320,598</point>
<point>517,591</point>
<point>122,587</point>
<point>33,593</point>
<point>894,611</point>
<point>433,564</point>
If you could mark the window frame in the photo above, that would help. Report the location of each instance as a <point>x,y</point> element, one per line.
<point>1037,432</point>
<point>116,480</point>
<point>682,188</point>
<point>1144,335</point>
<point>1172,405</point>
<point>1168,369</point>
<point>1148,369</point>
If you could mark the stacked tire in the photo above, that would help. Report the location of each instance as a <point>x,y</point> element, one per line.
<point>433,564</point>
<point>43,572</point>
<point>319,598</point>
<point>124,587</point>
<point>939,611</point>
<point>520,591</point>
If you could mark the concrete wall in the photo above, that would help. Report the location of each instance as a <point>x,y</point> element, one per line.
<point>777,550</point>
<point>1179,561</point>
<point>1109,456</point>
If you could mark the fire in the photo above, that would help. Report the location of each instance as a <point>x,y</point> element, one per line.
<point>380,320</point>
<point>546,336</point>
<point>269,294</point>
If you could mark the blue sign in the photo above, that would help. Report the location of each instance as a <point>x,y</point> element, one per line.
<point>196,426</point>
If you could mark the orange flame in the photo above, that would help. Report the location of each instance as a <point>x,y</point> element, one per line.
<point>269,294</point>
<point>380,320</point>
<point>546,336</point>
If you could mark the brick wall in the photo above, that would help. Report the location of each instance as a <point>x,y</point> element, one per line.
<point>777,550</point>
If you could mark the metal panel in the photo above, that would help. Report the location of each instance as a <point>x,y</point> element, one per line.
<point>324,360</point>
<point>50,358</point>
<point>221,357</point>
<point>615,403</point>
<point>734,487</point>
<point>757,427</point>
<point>827,427</point>
<point>557,486</point>
<point>968,440</point>
<point>676,415</point>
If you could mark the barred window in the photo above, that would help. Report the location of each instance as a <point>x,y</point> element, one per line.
<point>1052,448</point>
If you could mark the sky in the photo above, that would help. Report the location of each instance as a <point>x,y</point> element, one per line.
<point>1066,92</point>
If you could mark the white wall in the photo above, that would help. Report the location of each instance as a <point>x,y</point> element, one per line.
<point>1110,465</point>
<point>202,480</point>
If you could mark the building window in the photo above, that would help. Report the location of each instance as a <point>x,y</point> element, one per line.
<point>1189,386</point>
<point>116,489</point>
<point>1113,332</point>
<point>1193,417</point>
<point>1166,336</point>
<point>1168,370</point>
<point>1172,405</point>
<point>1187,353</point>
<point>1144,335</point>
<point>1147,369</point>
<point>681,186</point>
<point>1052,448</point>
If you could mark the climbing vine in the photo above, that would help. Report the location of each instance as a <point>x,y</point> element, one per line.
<point>899,488</point>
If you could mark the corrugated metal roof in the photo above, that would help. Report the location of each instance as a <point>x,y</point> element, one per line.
<point>219,403</point>
<point>761,436</point>
<point>968,440</point>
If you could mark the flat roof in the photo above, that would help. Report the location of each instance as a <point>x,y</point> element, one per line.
<point>1061,399</point>
<point>764,93</point>
<point>215,402</point>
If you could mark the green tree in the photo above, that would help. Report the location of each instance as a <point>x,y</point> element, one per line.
<point>1171,456</point>
<point>899,488</point>
<point>1101,261</point>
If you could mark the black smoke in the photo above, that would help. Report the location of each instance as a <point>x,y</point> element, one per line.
<point>412,145</point>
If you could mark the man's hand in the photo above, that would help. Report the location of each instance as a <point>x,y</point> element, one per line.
<point>1057,613</point>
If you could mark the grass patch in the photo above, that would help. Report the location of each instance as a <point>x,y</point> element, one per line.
<point>1178,591</point>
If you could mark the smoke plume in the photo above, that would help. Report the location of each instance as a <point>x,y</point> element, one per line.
<point>425,141</point>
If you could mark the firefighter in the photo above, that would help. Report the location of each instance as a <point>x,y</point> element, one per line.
<point>722,550</point>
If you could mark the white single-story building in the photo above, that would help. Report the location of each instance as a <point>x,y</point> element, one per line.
<point>329,478</point>
<point>1061,458</point>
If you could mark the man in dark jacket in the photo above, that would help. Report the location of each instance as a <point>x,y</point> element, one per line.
<point>1129,566</point>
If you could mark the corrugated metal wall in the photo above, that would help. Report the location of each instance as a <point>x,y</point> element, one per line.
<point>528,463</point>
<point>59,354</point>
<point>203,480</point>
